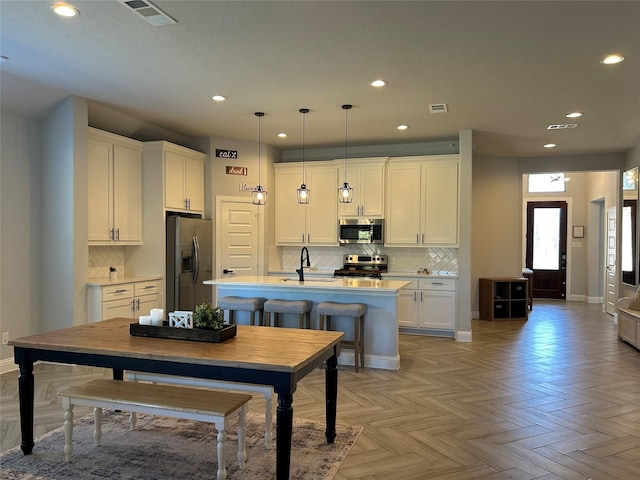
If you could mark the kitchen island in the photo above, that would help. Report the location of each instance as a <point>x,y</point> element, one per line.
<point>381,325</point>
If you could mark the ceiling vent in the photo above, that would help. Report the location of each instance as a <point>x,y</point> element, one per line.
<point>438,108</point>
<point>149,12</point>
<point>561,126</point>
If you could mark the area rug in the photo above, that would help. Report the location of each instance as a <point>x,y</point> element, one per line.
<point>167,448</point>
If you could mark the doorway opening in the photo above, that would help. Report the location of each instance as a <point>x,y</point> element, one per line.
<point>546,248</point>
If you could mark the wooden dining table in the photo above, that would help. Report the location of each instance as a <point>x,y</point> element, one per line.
<point>260,355</point>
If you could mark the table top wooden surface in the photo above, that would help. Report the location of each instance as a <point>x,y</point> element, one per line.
<point>258,348</point>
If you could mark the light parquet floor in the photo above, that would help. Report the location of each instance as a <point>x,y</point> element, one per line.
<point>557,397</point>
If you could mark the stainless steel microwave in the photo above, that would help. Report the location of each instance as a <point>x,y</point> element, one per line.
<point>361,230</point>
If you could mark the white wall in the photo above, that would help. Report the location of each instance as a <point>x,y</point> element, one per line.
<point>20,231</point>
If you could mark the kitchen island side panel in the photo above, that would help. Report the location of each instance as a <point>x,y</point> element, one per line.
<point>381,326</point>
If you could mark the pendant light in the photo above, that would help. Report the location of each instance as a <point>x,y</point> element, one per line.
<point>345,192</point>
<point>258,194</point>
<point>303,193</point>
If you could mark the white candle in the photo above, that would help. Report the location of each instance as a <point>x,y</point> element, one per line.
<point>157,314</point>
<point>144,320</point>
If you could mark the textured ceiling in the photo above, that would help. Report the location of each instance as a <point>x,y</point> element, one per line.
<point>505,69</point>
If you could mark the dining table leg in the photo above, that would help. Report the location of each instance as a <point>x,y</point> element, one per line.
<point>25,392</point>
<point>284,428</point>
<point>331,394</point>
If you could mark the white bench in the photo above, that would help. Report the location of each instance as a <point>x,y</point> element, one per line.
<point>265,390</point>
<point>628,322</point>
<point>179,402</point>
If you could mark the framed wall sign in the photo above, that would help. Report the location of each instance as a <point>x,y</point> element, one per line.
<point>578,231</point>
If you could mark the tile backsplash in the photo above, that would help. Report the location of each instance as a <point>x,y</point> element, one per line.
<point>101,258</point>
<point>406,259</point>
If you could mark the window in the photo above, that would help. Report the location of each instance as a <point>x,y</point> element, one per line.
<point>547,182</point>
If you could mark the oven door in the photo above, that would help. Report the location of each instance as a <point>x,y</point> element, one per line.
<point>360,231</point>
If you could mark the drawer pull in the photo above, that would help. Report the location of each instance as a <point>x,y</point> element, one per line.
<point>149,287</point>
<point>121,290</point>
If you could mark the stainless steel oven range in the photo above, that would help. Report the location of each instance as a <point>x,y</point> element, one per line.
<point>371,266</point>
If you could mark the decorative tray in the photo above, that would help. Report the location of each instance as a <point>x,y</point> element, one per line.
<point>195,334</point>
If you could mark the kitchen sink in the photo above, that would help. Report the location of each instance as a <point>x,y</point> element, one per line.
<point>310,280</point>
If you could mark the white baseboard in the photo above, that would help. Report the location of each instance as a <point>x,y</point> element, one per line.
<point>463,335</point>
<point>595,299</point>
<point>7,365</point>
<point>577,298</point>
<point>373,361</point>
<point>475,314</point>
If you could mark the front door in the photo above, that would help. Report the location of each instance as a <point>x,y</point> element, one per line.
<point>610,263</point>
<point>547,248</point>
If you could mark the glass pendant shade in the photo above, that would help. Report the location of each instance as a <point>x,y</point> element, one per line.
<point>303,194</point>
<point>258,194</point>
<point>345,193</point>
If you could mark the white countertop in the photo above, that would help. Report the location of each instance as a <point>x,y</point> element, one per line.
<point>291,282</point>
<point>103,281</point>
<point>329,273</point>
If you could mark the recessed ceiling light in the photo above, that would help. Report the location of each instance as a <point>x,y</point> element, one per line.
<point>65,10</point>
<point>549,145</point>
<point>402,127</point>
<point>378,83</point>
<point>219,98</point>
<point>282,135</point>
<point>612,59</point>
<point>574,115</point>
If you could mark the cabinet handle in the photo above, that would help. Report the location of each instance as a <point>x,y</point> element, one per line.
<point>421,296</point>
<point>133,306</point>
<point>308,238</point>
<point>417,238</point>
<point>138,304</point>
<point>148,287</point>
<point>302,237</point>
<point>118,234</point>
<point>188,204</point>
<point>423,238</point>
<point>111,234</point>
<point>121,290</point>
<point>415,296</point>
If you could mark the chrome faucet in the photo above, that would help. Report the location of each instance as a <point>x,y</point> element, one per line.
<point>300,270</point>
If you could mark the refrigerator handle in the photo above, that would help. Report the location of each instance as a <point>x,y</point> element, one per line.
<point>196,257</point>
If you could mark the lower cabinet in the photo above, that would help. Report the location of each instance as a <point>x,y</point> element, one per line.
<point>428,303</point>
<point>129,300</point>
<point>504,298</point>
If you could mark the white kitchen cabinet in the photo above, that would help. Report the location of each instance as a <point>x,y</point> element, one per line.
<point>183,179</point>
<point>314,224</point>
<point>422,201</point>
<point>366,177</point>
<point>114,189</point>
<point>428,304</point>
<point>129,300</point>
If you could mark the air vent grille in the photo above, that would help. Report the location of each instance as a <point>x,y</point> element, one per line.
<point>438,108</point>
<point>561,126</point>
<point>149,12</point>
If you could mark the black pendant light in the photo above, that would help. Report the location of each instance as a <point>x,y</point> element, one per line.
<point>303,193</point>
<point>345,192</point>
<point>258,194</point>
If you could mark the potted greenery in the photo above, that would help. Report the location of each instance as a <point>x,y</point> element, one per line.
<point>207,317</point>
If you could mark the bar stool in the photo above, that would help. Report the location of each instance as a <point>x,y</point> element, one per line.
<point>357,311</point>
<point>253,305</point>
<point>301,307</point>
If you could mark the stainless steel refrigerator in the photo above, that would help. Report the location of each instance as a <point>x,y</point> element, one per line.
<point>189,259</point>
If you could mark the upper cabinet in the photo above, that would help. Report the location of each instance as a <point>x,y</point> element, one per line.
<point>422,201</point>
<point>366,177</point>
<point>114,189</point>
<point>183,176</point>
<point>315,223</point>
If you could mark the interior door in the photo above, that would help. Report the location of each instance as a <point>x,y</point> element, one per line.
<point>547,248</point>
<point>238,239</point>
<point>610,262</point>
